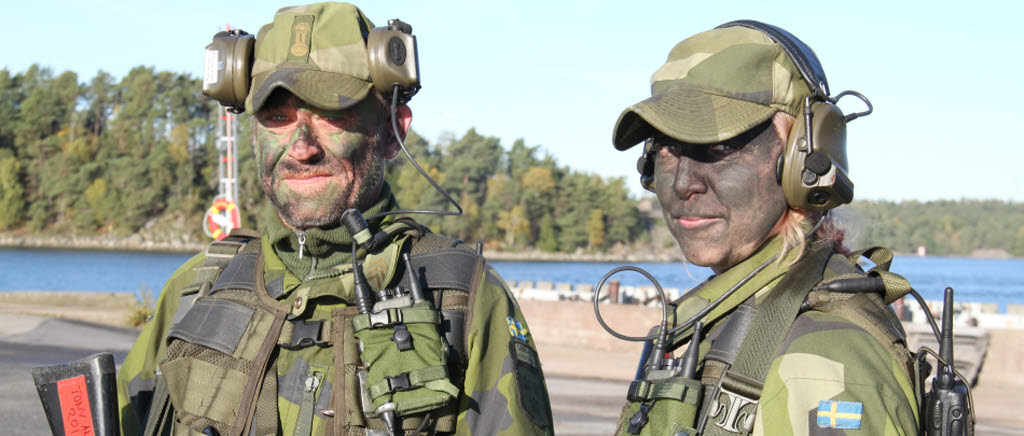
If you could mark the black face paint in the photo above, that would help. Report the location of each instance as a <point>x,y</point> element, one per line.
<point>721,201</point>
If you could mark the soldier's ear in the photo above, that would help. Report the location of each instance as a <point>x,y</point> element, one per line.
<point>403,115</point>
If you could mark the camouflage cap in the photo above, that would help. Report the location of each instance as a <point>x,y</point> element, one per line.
<point>714,86</point>
<point>317,52</point>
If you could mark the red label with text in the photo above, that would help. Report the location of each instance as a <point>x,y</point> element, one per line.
<point>74,406</point>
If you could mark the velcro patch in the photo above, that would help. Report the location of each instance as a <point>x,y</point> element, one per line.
<point>840,414</point>
<point>530,382</point>
<point>213,323</point>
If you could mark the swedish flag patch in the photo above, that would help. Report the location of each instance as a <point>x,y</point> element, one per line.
<point>516,329</point>
<point>840,414</point>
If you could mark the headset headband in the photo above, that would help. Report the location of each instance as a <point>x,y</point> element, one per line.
<point>801,54</point>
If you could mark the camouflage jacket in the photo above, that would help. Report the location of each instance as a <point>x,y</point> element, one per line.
<point>501,386</point>
<point>833,374</point>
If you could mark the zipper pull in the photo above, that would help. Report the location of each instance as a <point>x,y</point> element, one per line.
<point>302,242</point>
<point>312,383</point>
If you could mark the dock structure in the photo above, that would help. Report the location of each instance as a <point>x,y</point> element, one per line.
<point>971,320</point>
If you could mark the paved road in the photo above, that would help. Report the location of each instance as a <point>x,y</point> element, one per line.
<point>580,406</point>
<point>27,342</point>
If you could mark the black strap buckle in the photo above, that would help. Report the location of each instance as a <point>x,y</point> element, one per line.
<point>399,382</point>
<point>305,334</point>
<point>638,390</point>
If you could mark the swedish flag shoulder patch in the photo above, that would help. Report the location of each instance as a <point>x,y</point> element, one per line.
<point>840,414</point>
<point>517,329</point>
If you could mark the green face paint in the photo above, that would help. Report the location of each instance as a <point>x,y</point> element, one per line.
<point>315,164</point>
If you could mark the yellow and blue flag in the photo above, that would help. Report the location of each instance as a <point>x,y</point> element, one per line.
<point>516,329</point>
<point>840,414</point>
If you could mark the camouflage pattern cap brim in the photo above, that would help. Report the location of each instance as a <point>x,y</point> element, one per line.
<point>317,52</point>
<point>687,115</point>
<point>714,86</point>
<point>328,91</point>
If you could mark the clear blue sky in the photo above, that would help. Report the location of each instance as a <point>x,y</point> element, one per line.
<point>945,77</point>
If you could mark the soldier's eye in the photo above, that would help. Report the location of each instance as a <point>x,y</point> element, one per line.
<point>724,149</point>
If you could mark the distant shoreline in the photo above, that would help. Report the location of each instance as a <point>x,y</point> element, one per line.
<point>138,243</point>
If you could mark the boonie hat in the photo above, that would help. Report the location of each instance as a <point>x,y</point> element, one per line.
<point>714,86</point>
<point>317,52</point>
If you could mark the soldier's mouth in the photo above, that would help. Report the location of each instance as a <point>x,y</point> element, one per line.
<point>696,222</point>
<point>307,183</point>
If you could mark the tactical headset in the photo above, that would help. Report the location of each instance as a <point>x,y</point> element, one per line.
<point>813,167</point>
<point>391,50</point>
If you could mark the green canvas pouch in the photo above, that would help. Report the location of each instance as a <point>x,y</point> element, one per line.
<point>410,380</point>
<point>661,406</point>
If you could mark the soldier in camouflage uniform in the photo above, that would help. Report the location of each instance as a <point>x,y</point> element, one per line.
<point>771,362</point>
<point>257,335</point>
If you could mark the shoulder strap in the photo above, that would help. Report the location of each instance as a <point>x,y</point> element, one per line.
<point>740,386</point>
<point>896,286</point>
<point>218,255</point>
<point>445,265</point>
<point>869,310</point>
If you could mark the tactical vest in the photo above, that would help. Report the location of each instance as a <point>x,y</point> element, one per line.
<point>724,401</point>
<point>219,374</point>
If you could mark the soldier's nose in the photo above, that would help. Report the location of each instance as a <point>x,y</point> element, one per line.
<point>689,180</point>
<point>305,148</point>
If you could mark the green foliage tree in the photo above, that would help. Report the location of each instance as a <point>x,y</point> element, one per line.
<point>119,155</point>
<point>595,230</point>
<point>12,204</point>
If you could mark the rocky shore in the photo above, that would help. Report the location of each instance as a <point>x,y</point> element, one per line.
<point>150,241</point>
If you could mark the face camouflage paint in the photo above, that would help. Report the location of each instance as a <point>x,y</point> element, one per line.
<point>721,201</point>
<point>317,163</point>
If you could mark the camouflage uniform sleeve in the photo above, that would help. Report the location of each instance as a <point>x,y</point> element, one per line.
<point>136,379</point>
<point>833,377</point>
<point>504,385</point>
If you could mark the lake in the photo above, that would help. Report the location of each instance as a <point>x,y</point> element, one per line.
<point>998,281</point>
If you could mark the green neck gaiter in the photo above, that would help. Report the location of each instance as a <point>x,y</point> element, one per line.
<point>324,248</point>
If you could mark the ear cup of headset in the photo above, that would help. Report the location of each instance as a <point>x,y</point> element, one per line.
<point>645,166</point>
<point>393,59</point>
<point>228,63</point>
<point>814,170</point>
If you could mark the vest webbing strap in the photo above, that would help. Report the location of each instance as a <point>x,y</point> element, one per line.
<point>414,379</point>
<point>405,315</point>
<point>769,328</point>
<point>895,285</point>
<point>644,390</point>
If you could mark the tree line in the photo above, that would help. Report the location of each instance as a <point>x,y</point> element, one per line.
<point>139,154</point>
<point>118,157</point>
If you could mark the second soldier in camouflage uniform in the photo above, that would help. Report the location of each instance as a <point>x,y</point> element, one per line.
<point>719,118</point>
<point>274,352</point>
